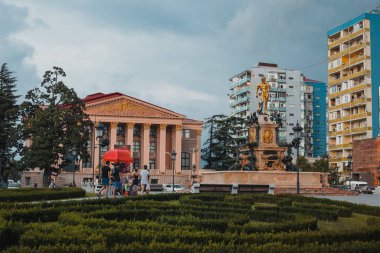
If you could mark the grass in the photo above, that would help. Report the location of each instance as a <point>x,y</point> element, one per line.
<point>356,222</point>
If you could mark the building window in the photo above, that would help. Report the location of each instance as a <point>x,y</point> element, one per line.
<point>86,164</point>
<point>137,131</point>
<point>153,132</point>
<point>186,133</point>
<point>291,114</point>
<point>152,164</point>
<point>136,148</point>
<point>152,147</point>
<point>185,161</point>
<point>290,86</point>
<point>120,143</point>
<point>120,130</point>
<point>27,181</point>
<point>136,164</point>
<point>291,78</point>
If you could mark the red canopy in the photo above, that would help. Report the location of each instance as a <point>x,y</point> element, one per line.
<point>118,155</point>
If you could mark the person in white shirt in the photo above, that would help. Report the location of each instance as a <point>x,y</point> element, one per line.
<point>144,175</point>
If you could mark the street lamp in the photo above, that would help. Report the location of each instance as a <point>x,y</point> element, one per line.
<point>193,173</point>
<point>349,157</point>
<point>103,142</point>
<point>297,131</point>
<point>173,154</point>
<point>74,153</point>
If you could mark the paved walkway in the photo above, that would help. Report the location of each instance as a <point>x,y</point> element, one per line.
<point>367,199</point>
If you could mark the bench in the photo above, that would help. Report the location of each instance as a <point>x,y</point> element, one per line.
<point>156,187</point>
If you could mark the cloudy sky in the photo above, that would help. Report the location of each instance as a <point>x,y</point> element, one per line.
<point>177,54</point>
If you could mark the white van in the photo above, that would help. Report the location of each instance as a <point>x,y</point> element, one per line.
<point>357,185</point>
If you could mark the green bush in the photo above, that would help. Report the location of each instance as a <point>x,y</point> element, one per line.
<point>31,194</point>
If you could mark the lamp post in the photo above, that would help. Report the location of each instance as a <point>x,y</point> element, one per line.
<point>297,131</point>
<point>74,153</point>
<point>349,157</point>
<point>193,173</point>
<point>173,154</point>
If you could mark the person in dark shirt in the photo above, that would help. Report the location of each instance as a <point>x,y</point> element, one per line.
<point>116,174</point>
<point>105,178</point>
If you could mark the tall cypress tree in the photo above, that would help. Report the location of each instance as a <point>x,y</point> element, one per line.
<point>9,114</point>
<point>220,150</point>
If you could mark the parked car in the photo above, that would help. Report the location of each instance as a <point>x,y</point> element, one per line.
<point>177,187</point>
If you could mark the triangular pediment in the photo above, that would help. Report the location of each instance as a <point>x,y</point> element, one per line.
<point>125,106</point>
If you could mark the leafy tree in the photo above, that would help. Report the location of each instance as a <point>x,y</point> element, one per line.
<point>221,147</point>
<point>55,122</point>
<point>9,115</point>
<point>304,164</point>
<point>322,164</point>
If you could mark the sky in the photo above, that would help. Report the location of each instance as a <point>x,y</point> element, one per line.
<point>178,54</point>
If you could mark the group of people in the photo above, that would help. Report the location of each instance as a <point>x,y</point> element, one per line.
<point>124,180</point>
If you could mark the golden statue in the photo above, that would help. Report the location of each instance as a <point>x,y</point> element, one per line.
<point>268,136</point>
<point>252,134</point>
<point>264,87</point>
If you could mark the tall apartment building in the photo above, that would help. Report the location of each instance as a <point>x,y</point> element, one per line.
<point>317,105</point>
<point>287,95</point>
<point>353,85</point>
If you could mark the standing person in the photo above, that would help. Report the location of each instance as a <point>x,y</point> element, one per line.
<point>116,173</point>
<point>105,178</point>
<point>135,182</point>
<point>144,178</point>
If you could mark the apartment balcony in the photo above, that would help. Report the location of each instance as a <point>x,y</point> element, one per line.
<point>348,64</point>
<point>340,146</point>
<point>239,101</point>
<point>335,133</point>
<point>350,90</point>
<point>355,131</point>
<point>354,103</point>
<point>281,99</point>
<point>280,109</point>
<point>347,38</point>
<point>277,90</point>
<point>241,81</point>
<point>241,91</point>
<point>238,110</point>
<point>362,115</point>
<point>348,50</point>
<point>350,76</point>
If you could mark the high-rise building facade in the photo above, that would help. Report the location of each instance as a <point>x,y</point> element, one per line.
<point>353,85</point>
<point>318,112</point>
<point>286,96</point>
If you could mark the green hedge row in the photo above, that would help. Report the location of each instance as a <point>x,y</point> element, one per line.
<point>331,215</point>
<point>176,247</point>
<point>31,194</point>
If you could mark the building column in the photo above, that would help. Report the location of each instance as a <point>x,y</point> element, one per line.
<point>96,148</point>
<point>145,145</point>
<point>129,135</point>
<point>198,153</point>
<point>161,148</point>
<point>177,146</point>
<point>113,136</point>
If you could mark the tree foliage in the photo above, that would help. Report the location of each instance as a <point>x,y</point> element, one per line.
<point>55,122</point>
<point>220,150</point>
<point>9,115</point>
<point>320,165</point>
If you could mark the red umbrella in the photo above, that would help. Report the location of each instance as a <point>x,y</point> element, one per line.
<point>118,155</point>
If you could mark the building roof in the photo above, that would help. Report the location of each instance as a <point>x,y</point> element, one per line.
<point>352,22</point>
<point>119,104</point>
<point>307,80</point>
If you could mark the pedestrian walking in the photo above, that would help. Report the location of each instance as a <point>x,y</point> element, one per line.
<point>105,178</point>
<point>135,182</point>
<point>144,174</point>
<point>116,174</point>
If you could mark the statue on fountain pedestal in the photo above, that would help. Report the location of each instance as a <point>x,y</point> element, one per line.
<point>264,97</point>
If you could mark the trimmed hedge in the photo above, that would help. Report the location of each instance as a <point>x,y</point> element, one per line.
<point>183,223</point>
<point>31,194</point>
